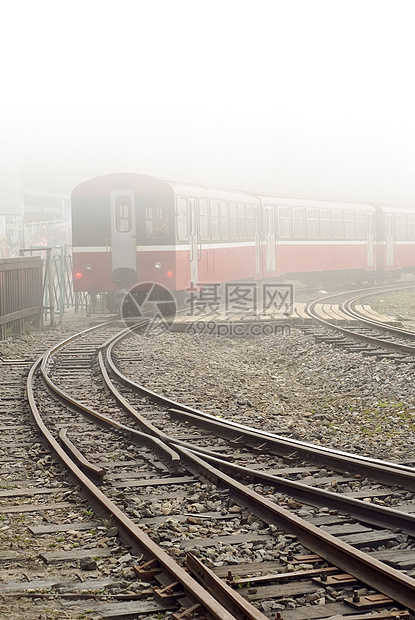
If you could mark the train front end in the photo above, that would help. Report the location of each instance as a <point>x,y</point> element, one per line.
<point>123,235</point>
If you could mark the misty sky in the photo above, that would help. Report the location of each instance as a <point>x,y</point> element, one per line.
<point>305,97</point>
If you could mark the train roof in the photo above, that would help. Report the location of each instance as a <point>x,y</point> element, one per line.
<point>127,180</point>
<point>321,203</point>
<point>200,191</point>
<point>144,184</point>
<point>392,209</point>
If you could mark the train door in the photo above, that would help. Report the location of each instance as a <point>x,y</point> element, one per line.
<point>258,245</point>
<point>123,237</point>
<point>270,242</point>
<point>389,239</point>
<point>370,241</point>
<point>194,238</point>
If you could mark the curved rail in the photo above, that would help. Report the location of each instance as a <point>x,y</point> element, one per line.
<point>389,581</point>
<point>371,340</point>
<point>129,530</point>
<point>387,472</point>
<point>399,332</point>
<point>370,513</point>
<point>376,574</point>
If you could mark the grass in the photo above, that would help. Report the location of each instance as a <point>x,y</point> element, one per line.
<point>401,304</point>
<point>385,418</point>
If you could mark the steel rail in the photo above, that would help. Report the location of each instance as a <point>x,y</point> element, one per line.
<point>384,472</point>
<point>142,421</point>
<point>391,582</point>
<point>128,530</point>
<point>399,332</point>
<point>372,340</point>
<point>373,514</point>
<point>91,468</point>
<point>73,337</point>
<point>222,591</point>
<point>140,438</point>
<point>285,444</point>
<point>370,513</point>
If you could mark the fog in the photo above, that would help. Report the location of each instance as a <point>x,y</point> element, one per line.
<point>305,98</point>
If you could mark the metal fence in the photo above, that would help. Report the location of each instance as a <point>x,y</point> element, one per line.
<point>20,295</point>
<point>58,293</point>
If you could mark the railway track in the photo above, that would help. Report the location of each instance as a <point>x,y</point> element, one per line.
<point>43,514</point>
<point>136,464</point>
<point>352,320</point>
<point>275,519</point>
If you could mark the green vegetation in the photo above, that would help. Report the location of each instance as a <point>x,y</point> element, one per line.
<point>28,328</point>
<point>385,417</point>
<point>244,585</point>
<point>394,304</point>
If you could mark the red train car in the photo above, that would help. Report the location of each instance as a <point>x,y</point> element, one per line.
<point>129,228</point>
<point>309,239</point>
<point>395,251</point>
<point>132,228</point>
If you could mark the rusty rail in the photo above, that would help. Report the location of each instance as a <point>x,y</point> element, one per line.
<point>128,530</point>
<point>385,579</point>
<point>370,340</point>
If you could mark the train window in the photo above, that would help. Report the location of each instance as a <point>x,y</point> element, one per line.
<point>312,224</point>
<point>214,219</point>
<point>182,219</point>
<point>284,222</point>
<point>299,222</point>
<point>411,226</point>
<point>157,222</point>
<point>204,219</point>
<point>242,220</point>
<point>250,221</point>
<point>224,220</point>
<point>401,226</point>
<point>123,219</point>
<point>349,225</point>
<point>325,224</point>
<point>338,224</point>
<point>361,225</point>
<point>233,213</point>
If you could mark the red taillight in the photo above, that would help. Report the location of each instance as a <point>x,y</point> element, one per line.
<point>78,275</point>
<point>169,274</point>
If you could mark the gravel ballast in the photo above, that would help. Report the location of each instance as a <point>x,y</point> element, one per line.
<point>287,384</point>
<point>283,384</point>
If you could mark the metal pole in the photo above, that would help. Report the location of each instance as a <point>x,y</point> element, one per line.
<point>50,286</point>
<point>62,285</point>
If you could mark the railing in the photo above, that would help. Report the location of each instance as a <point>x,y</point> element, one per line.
<point>20,295</point>
<point>58,292</point>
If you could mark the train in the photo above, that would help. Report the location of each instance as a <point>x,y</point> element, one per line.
<point>132,228</point>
